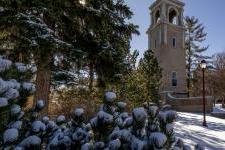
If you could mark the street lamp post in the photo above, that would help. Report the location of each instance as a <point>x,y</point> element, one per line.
<point>203,65</point>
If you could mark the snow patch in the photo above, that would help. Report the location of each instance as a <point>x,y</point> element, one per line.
<point>115,144</point>
<point>11,94</point>
<point>21,67</point>
<point>45,119</point>
<point>139,114</point>
<point>30,141</point>
<point>79,112</point>
<point>4,64</point>
<point>40,104</point>
<point>10,135</point>
<point>29,87</point>
<point>121,105</point>
<point>15,110</point>
<point>38,126</point>
<point>16,125</point>
<point>158,139</point>
<point>3,86</point>
<point>3,102</point>
<point>109,97</point>
<point>105,117</point>
<point>153,111</point>
<point>61,119</point>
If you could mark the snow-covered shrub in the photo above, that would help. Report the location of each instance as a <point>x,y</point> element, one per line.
<point>14,90</point>
<point>31,142</point>
<point>109,97</point>
<point>145,128</point>
<point>11,94</point>
<point>15,110</point>
<point>21,67</point>
<point>4,64</point>
<point>3,102</point>
<point>17,125</point>
<point>38,126</point>
<point>40,104</point>
<point>60,120</point>
<point>29,87</point>
<point>10,135</point>
<point>158,139</point>
<point>108,106</point>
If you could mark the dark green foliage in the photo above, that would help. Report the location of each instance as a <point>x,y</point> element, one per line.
<point>141,84</point>
<point>152,73</point>
<point>107,38</point>
<point>195,35</point>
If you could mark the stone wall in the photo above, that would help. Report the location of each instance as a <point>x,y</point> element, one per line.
<point>192,104</point>
<point>218,115</point>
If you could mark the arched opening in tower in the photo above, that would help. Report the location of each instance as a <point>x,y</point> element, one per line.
<point>157,17</point>
<point>173,17</point>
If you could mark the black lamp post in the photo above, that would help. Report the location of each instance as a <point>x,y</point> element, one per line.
<point>203,65</point>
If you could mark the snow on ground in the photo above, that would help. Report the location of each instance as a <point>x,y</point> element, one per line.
<point>218,110</point>
<point>189,127</point>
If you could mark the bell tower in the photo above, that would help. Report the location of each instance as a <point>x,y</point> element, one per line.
<point>167,39</point>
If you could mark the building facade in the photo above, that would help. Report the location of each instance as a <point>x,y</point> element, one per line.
<point>167,39</point>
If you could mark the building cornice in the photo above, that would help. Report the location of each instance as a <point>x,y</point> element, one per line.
<point>172,2</point>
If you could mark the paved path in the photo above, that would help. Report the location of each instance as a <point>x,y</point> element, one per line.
<point>189,128</point>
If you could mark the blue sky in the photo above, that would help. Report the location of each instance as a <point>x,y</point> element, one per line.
<point>209,12</point>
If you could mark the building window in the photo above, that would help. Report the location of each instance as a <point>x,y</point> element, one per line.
<point>174,79</point>
<point>155,44</point>
<point>174,42</point>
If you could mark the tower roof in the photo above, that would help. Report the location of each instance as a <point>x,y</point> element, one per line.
<point>176,2</point>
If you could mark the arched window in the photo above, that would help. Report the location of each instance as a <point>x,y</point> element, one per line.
<point>173,16</point>
<point>174,79</point>
<point>157,17</point>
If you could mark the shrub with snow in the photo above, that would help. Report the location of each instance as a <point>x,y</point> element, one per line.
<point>145,128</point>
<point>10,135</point>
<point>3,102</point>
<point>15,110</point>
<point>21,67</point>
<point>38,126</point>
<point>4,64</point>
<point>61,119</point>
<point>40,104</point>
<point>29,87</point>
<point>158,139</point>
<point>31,142</point>
<point>12,94</point>
<point>109,97</point>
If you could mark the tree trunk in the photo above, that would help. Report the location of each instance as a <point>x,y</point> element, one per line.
<point>91,76</point>
<point>223,103</point>
<point>43,86</point>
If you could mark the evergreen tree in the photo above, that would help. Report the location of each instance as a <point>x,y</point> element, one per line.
<point>39,30</point>
<point>195,35</point>
<point>107,39</point>
<point>152,73</point>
